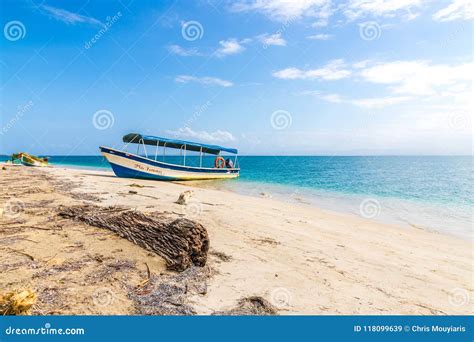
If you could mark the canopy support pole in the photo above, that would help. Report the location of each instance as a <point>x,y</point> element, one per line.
<point>164,151</point>
<point>144,148</point>
<point>130,142</point>
<point>200,157</point>
<point>156,151</point>
<point>184,161</point>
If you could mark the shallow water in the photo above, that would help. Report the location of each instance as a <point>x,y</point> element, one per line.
<point>427,192</point>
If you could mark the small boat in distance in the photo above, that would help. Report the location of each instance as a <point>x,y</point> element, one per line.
<point>129,165</point>
<point>29,160</point>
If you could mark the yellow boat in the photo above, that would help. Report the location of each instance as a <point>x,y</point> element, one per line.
<point>29,160</point>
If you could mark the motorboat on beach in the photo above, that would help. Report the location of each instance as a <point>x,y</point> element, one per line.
<point>134,165</point>
<point>26,159</point>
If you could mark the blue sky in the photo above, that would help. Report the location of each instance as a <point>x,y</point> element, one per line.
<point>268,77</point>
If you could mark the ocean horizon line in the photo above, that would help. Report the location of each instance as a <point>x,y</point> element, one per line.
<point>274,155</point>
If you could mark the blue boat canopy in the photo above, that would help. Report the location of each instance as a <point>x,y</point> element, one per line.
<point>135,138</point>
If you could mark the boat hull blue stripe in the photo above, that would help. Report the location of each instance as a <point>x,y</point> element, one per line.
<point>125,172</point>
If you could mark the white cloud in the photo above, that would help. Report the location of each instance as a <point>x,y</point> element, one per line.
<point>320,36</point>
<point>320,23</point>
<point>333,70</point>
<point>285,10</point>
<point>323,14</point>
<point>217,136</point>
<point>291,10</point>
<point>418,77</point>
<point>441,87</point>
<point>372,102</point>
<point>289,74</point>
<point>229,47</point>
<point>69,17</point>
<point>334,98</point>
<point>180,51</point>
<point>204,80</point>
<point>384,8</point>
<point>362,64</point>
<point>406,78</point>
<point>273,39</point>
<point>457,9</point>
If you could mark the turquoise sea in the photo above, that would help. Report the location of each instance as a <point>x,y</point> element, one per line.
<point>431,192</point>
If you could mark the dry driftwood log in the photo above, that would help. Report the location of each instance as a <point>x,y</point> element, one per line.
<point>182,243</point>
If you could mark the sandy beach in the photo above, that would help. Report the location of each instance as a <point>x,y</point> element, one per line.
<point>301,259</point>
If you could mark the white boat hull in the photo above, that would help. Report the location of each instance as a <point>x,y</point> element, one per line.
<point>133,166</point>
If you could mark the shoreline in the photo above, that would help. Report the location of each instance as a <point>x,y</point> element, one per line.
<point>390,210</point>
<point>302,259</point>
